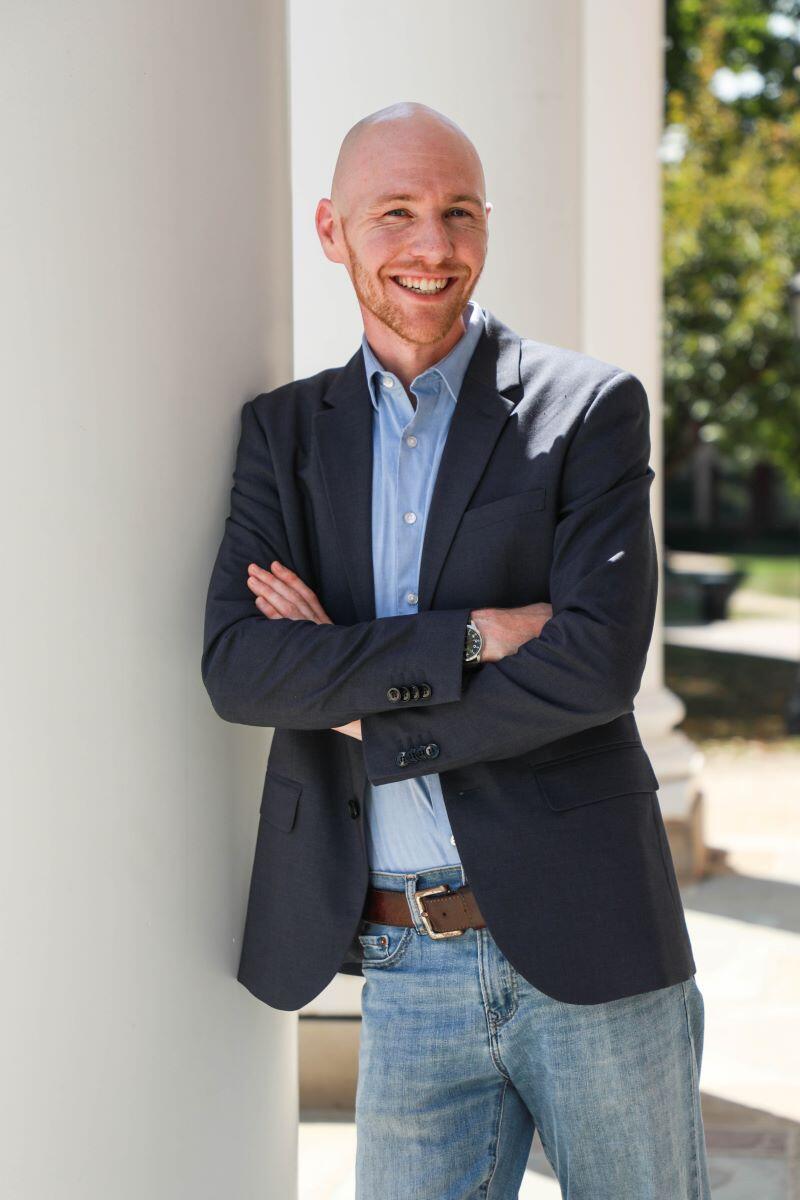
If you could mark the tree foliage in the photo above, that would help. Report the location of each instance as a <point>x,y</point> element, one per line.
<point>732,231</point>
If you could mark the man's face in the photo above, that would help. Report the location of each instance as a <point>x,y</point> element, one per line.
<point>415,212</point>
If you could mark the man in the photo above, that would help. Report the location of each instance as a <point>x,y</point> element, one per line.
<point>437,583</point>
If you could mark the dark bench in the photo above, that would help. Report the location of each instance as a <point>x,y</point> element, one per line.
<point>708,579</point>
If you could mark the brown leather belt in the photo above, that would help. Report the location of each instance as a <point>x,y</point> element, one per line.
<point>444,913</point>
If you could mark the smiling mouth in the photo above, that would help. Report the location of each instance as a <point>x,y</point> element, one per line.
<point>417,285</point>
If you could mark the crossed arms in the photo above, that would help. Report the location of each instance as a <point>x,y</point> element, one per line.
<point>583,669</point>
<point>297,674</point>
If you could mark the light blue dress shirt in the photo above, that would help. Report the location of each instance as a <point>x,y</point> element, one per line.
<point>406,821</point>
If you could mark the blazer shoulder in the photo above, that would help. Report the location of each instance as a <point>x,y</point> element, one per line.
<point>286,411</point>
<point>296,393</point>
<point>571,371</point>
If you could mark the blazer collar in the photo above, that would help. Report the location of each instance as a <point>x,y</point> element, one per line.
<point>343,439</point>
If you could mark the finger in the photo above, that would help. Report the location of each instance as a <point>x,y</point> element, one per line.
<point>282,606</point>
<point>306,601</point>
<point>292,580</point>
<point>263,574</point>
<point>282,594</point>
<point>308,595</point>
<point>266,608</point>
<point>282,598</point>
<point>257,571</point>
<point>286,583</point>
<point>259,587</point>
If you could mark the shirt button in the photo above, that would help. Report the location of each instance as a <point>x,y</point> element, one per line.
<point>388,381</point>
<point>409,518</point>
<point>412,597</point>
<point>411,440</point>
<point>452,840</point>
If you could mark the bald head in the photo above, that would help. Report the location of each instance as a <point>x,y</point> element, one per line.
<point>408,217</point>
<point>378,146</point>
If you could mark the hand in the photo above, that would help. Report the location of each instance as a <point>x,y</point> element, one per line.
<point>505,629</point>
<point>353,729</point>
<point>282,593</point>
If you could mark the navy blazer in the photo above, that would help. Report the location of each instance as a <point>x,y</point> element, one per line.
<point>542,494</point>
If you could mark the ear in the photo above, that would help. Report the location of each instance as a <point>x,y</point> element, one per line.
<point>327,230</point>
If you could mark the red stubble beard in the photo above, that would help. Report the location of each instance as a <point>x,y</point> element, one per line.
<point>430,324</point>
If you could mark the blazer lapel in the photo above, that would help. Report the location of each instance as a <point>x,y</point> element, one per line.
<point>343,437</point>
<point>481,411</point>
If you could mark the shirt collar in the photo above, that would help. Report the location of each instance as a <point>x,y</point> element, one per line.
<point>451,368</point>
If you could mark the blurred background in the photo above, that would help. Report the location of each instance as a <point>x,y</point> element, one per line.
<point>731,367</point>
<point>162,165</point>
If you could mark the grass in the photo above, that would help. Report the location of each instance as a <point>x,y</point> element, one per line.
<point>777,575</point>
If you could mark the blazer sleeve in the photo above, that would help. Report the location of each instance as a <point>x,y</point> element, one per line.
<point>296,674</point>
<point>586,667</point>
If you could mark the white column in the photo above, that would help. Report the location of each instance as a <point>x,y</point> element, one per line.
<point>621,289</point>
<point>144,298</point>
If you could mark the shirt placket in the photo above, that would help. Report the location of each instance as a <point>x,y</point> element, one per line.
<point>411,490</point>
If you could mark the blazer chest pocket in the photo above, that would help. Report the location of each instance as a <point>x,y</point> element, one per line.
<point>503,509</point>
<point>596,775</point>
<point>279,800</point>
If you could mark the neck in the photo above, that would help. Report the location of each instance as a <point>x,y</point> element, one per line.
<point>404,359</point>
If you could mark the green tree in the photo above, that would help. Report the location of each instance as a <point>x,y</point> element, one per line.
<point>731,176</point>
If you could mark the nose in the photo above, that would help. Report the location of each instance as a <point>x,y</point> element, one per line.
<point>431,241</point>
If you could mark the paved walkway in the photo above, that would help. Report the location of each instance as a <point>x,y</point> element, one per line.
<point>767,626</point>
<point>745,926</point>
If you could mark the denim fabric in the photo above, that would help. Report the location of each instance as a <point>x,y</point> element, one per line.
<point>461,1059</point>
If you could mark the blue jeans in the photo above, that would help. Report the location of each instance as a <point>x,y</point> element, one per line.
<point>461,1059</point>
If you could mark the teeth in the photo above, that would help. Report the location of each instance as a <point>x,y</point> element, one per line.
<point>421,285</point>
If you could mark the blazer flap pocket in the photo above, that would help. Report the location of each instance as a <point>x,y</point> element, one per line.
<point>598,775</point>
<point>505,507</point>
<point>279,799</point>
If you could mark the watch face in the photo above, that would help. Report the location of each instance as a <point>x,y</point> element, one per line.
<point>474,642</point>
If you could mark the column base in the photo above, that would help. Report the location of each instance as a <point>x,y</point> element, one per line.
<point>677,762</point>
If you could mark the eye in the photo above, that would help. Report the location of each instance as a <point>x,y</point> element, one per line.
<point>392,211</point>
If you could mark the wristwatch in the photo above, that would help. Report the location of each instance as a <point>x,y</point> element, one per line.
<point>473,644</point>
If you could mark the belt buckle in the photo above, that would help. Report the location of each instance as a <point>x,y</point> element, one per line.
<point>434,891</point>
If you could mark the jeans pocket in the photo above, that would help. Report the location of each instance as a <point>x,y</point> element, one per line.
<point>383,945</point>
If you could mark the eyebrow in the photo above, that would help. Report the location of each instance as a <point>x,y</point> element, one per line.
<point>450,200</point>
